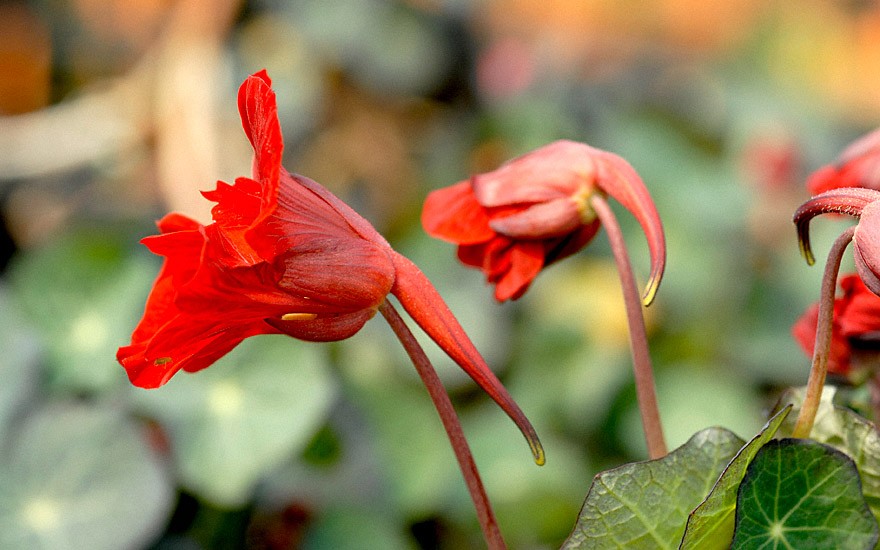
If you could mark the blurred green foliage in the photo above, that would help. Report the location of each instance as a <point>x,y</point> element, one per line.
<point>284,444</point>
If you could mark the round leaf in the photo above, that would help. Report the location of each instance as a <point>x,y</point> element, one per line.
<point>710,526</point>
<point>19,367</point>
<point>646,504</point>
<point>84,294</point>
<point>848,432</point>
<point>80,477</point>
<point>801,494</point>
<point>232,422</point>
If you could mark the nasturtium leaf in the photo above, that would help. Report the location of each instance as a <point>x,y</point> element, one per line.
<point>710,526</point>
<point>646,504</point>
<point>77,476</point>
<point>83,294</point>
<point>354,527</point>
<point>231,423</point>
<point>798,493</point>
<point>846,431</point>
<point>19,365</point>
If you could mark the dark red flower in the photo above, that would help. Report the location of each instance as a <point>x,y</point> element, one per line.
<point>856,319</point>
<point>857,166</point>
<point>283,255</point>
<point>534,210</point>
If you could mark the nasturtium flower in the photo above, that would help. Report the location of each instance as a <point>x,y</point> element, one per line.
<point>857,166</point>
<point>282,256</point>
<point>863,204</point>
<point>535,210</point>
<point>855,324</point>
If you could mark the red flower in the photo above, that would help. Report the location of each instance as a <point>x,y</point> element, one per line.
<point>858,166</point>
<point>283,255</point>
<point>534,210</point>
<point>856,317</point>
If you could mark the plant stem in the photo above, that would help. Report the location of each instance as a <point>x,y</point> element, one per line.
<point>441,400</point>
<point>824,322</point>
<point>638,338</point>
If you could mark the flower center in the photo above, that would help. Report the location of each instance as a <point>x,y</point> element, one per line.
<point>581,200</point>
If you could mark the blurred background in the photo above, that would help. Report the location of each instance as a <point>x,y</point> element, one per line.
<point>114,112</point>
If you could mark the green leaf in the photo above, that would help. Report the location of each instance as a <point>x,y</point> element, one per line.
<point>84,294</point>
<point>77,476</point>
<point>846,431</point>
<point>347,527</point>
<point>801,494</point>
<point>646,504</point>
<point>710,526</point>
<point>19,365</point>
<point>234,421</point>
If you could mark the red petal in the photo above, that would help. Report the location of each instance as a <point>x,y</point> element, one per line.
<point>551,172</point>
<point>540,221</point>
<point>323,251</point>
<point>237,208</point>
<point>177,222</point>
<point>859,313</point>
<point>420,299</point>
<point>183,251</point>
<point>237,205</point>
<point>259,117</point>
<point>804,332</point>
<point>510,265</point>
<point>186,343</point>
<point>526,261</point>
<point>453,214</point>
<point>857,166</point>
<point>867,246</point>
<point>571,243</point>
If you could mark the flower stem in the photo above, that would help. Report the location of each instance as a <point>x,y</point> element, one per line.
<point>441,400</point>
<point>816,382</point>
<point>638,338</point>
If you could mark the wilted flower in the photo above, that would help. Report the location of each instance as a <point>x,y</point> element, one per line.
<point>535,210</point>
<point>857,166</point>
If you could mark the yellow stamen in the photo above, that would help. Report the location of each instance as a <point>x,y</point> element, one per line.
<point>298,316</point>
<point>582,202</point>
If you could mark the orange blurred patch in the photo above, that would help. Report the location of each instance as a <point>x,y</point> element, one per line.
<point>570,28</point>
<point>134,22</point>
<point>831,51</point>
<point>25,60</point>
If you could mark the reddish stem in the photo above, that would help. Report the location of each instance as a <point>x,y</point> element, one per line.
<point>426,371</point>
<point>819,370</point>
<point>638,338</point>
